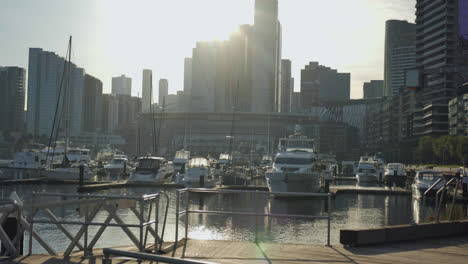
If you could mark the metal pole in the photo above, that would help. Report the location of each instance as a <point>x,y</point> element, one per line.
<point>156,228</point>
<point>33,200</point>
<point>256,218</point>
<point>186,220</point>
<point>176,222</point>
<point>141,224</point>
<point>329,218</point>
<point>86,230</point>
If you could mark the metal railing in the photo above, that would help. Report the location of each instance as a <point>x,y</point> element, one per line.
<point>440,194</point>
<point>144,256</point>
<point>187,211</point>
<point>88,206</point>
<point>9,207</point>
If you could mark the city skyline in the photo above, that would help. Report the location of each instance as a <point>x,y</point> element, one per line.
<point>108,46</point>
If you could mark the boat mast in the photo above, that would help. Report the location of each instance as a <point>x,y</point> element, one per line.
<point>67,100</point>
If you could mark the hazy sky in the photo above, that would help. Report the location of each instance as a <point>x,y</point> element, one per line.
<point>113,37</point>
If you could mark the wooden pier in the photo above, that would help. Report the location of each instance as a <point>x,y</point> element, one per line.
<point>453,250</point>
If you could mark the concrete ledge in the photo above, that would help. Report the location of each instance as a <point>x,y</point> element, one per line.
<point>391,234</point>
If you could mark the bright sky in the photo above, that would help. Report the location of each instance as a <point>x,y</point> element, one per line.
<point>113,37</point>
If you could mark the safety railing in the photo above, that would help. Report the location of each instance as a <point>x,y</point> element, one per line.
<point>108,252</point>
<point>426,193</point>
<point>255,214</point>
<point>88,206</point>
<point>440,196</point>
<point>11,246</point>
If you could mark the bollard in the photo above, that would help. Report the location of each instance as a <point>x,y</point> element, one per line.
<point>81,183</point>
<point>12,227</point>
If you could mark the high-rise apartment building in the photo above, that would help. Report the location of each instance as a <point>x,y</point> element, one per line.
<point>12,95</point>
<point>147,90</point>
<point>122,85</point>
<point>400,39</point>
<point>321,84</point>
<point>286,88</point>
<point>163,90</point>
<point>92,104</point>
<point>47,85</point>
<point>266,60</point>
<point>204,76</point>
<point>373,89</point>
<point>188,75</point>
<point>442,57</point>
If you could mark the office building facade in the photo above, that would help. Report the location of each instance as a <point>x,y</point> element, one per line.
<point>286,88</point>
<point>373,89</point>
<point>163,91</point>
<point>147,90</point>
<point>400,39</point>
<point>12,96</point>
<point>122,85</point>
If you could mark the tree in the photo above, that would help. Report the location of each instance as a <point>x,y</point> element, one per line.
<point>462,149</point>
<point>425,149</point>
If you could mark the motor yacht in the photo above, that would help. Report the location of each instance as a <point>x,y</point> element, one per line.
<point>152,170</point>
<point>198,174</point>
<point>117,165</point>
<point>395,175</point>
<point>366,171</point>
<point>180,158</point>
<point>423,180</point>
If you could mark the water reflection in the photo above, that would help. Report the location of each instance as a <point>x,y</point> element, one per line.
<point>348,211</point>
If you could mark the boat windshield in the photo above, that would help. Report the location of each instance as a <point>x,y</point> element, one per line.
<point>148,164</point>
<point>395,167</point>
<point>300,161</point>
<point>361,170</point>
<point>200,162</point>
<point>429,176</point>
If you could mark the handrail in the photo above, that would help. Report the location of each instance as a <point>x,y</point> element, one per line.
<point>145,256</point>
<point>439,196</point>
<point>186,212</point>
<point>426,192</point>
<point>90,205</point>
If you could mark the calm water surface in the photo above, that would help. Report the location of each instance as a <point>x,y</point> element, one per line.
<point>349,211</point>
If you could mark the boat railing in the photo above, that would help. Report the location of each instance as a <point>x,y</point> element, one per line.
<point>186,211</point>
<point>440,196</point>
<point>88,206</point>
<point>427,192</point>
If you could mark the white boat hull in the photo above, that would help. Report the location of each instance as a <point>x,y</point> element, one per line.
<point>293,182</point>
<point>150,178</point>
<point>66,174</point>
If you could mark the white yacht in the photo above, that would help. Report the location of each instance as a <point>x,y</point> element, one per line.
<point>117,164</point>
<point>395,174</point>
<point>198,174</point>
<point>152,170</point>
<point>181,157</point>
<point>423,180</point>
<point>366,171</point>
<point>69,173</point>
<point>293,169</point>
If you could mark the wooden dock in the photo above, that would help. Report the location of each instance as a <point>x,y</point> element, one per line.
<point>453,250</point>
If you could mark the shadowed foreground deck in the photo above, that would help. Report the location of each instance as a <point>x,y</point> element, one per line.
<point>446,250</point>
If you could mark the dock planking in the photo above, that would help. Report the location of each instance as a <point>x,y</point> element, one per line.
<point>452,250</point>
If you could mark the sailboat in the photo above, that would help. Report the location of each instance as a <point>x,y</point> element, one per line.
<point>66,170</point>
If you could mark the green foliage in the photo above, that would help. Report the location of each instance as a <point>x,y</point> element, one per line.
<point>462,149</point>
<point>425,149</point>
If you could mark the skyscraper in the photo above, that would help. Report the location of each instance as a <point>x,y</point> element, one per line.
<point>92,104</point>
<point>147,92</point>
<point>400,39</point>
<point>12,82</point>
<point>286,89</point>
<point>163,90</point>
<point>266,61</point>
<point>204,76</point>
<point>441,56</point>
<point>187,76</point>
<point>373,89</point>
<point>45,75</point>
<point>122,85</point>
<point>320,84</point>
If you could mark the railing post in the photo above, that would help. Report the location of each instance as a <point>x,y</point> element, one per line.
<point>156,228</point>
<point>329,218</point>
<point>31,216</point>
<point>141,224</point>
<point>186,220</point>
<point>176,222</point>
<point>256,217</point>
<point>86,231</point>
<point>453,200</point>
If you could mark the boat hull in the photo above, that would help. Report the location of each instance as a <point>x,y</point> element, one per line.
<point>367,178</point>
<point>58,174</point>
<point>293,182</point>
